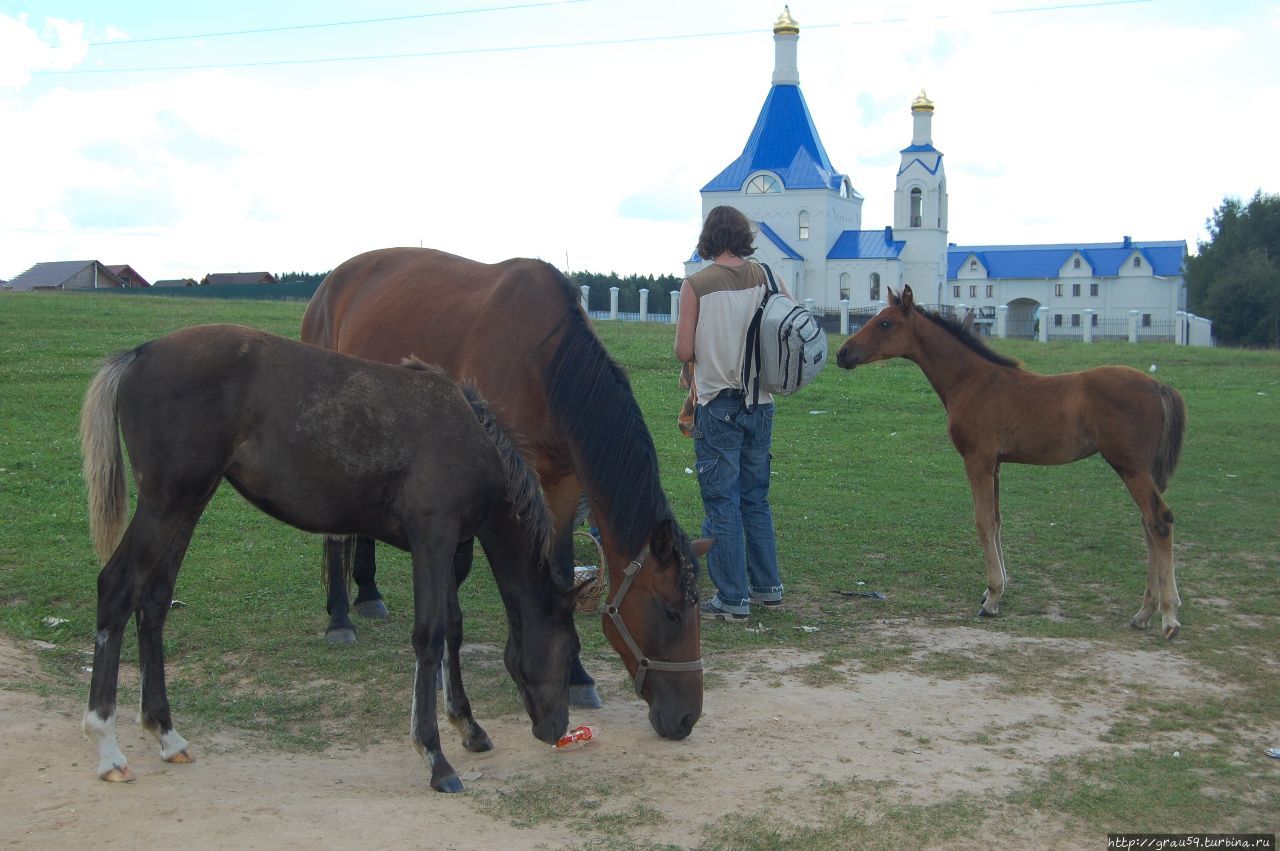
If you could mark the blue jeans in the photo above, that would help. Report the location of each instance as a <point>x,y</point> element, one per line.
<point>732,448</point>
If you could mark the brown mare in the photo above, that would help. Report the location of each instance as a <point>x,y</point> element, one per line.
<point>997,412</point>
<point>328,444</point>
<point>516,330</point>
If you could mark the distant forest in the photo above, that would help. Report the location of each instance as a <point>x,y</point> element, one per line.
<point>659,288</point>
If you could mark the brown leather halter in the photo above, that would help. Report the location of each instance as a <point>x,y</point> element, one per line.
<point>643,663</point>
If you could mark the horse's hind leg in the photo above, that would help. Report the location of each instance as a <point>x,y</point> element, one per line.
<point>369,602</point>
<point>1157,529</point>
<point>337,557</point>
<point>115,602</point>
<point>984,478</point>
<point>153,609</point>
<point>122,583</point>
<point>457,704</point>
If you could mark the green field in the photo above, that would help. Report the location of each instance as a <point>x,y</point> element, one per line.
<point>868,495</point>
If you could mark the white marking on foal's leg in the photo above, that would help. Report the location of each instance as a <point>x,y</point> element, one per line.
<point>112,764</point>
<point>173,748</point>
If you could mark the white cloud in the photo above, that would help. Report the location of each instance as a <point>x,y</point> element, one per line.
<point>1056,127</point>
<point>23,51</point>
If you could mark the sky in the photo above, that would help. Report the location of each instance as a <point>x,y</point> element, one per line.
<point>238,135</point>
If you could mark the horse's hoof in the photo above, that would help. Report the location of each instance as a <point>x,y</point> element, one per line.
<point>983,613</point>
<point>184,757</point>
<point>122,774</point>
<point>372,609</point>
<point>1171,632</point>
<point>479,744</point>
<point>584,697</point>
<point>447,784</point>
<point>1137,624</point>
<point>340,636</point>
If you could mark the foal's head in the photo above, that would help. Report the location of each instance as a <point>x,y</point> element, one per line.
<point>886,335</point>
<point>541,642</point>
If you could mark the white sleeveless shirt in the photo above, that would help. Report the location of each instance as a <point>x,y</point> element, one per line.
<point>727,300</point>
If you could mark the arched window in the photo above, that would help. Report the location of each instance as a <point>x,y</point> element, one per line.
<point>763,184</point>
<point>917,207</point>
<point>1075,264</point>
<point>804,224</point>
<point>844,286</point>
<point>875,286</point>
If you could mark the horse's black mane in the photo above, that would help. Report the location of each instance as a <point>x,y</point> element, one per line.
<point>523,487</point>
<point>591,397</point>
<point>958,330</point>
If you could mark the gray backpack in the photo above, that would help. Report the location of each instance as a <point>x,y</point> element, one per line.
<point>786,347</point>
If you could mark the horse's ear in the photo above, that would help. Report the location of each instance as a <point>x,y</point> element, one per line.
<point>662,541</point>
<point>894,301</point>
<point>907,300</point>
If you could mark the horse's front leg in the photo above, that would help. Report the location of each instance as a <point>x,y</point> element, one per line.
<point>433,586</point>
<point>457,704</point>
<point>570,505</point>
<point>984,478</point>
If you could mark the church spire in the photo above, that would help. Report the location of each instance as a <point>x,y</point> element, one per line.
<point>786,33</point>
<point>922,116</point>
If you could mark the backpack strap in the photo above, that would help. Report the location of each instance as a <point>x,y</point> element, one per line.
<point>751,360</point>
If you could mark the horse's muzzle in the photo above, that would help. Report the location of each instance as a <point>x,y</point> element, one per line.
<point>672,726</point>
<point>848,357</point>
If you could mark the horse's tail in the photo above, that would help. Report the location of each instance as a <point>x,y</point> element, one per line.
<point>1169,452</point>
<point>523,486</point>
<point>103,459</point>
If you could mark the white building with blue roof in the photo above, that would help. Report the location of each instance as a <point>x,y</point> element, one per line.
<point>809,219</point>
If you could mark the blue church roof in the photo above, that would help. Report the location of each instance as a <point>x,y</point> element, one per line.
<point>1045,261</point>
<point>866,245</point>
<point>771,235</point>
<point>785,142</point>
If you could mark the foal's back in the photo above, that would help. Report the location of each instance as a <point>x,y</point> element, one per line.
<point>322,441</point>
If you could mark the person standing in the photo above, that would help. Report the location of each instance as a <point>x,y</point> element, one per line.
<point>731,442</point>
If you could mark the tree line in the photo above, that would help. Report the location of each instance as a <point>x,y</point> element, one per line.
<point>659,288</point>
<point>1235,277</point>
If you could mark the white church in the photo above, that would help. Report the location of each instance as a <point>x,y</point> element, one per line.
<point>809,218</point>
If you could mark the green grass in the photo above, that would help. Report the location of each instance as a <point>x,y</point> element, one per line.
<point>866,489</point>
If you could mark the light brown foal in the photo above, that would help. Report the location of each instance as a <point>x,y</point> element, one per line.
<point>997,411</point>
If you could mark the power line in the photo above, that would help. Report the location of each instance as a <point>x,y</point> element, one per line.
<point>449,13</point>
<point>467,51</point>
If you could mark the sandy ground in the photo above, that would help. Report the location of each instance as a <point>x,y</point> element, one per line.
<point>766,738</point>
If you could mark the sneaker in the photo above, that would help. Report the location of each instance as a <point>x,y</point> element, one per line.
<point>768,604</point>
<point>712,612</point>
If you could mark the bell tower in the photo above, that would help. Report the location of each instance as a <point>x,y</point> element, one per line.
<point>920,206</point>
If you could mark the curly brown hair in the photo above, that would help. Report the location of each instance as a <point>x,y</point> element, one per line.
<point>726,229</point>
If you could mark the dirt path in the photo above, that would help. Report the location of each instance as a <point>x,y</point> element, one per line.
<point>767,739</point>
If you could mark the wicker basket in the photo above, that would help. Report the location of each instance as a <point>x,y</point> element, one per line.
<point>588,570</point>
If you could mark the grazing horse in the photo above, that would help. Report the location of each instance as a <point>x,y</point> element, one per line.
<point>328,444</point>
<point>997,412</point>
<point>516,329</point>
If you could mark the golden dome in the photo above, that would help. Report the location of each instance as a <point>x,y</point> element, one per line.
<point>922,103</point>
<point>786,25</point>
